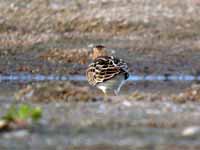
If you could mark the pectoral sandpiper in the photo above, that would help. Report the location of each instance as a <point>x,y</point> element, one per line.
<point>108,73</point>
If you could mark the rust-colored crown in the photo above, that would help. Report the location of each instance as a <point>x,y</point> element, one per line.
<point>98,50</point>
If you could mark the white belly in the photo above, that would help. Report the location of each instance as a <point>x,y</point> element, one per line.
<point>112,85</point>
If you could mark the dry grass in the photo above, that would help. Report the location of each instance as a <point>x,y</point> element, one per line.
<point>66,56</point>
<point>140,96</point>
<point>163,35</point>
<point>100,16</point>
<point>190,94</point>
<point>47,92</point>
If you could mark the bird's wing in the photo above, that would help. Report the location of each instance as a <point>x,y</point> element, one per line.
<point>104,68</point>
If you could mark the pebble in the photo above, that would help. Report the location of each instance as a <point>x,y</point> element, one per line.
<point>102,108</point>
<point>126,103</point>
<point>191,131</point>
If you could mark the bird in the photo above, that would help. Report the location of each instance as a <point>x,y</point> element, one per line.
<point>107,73</point>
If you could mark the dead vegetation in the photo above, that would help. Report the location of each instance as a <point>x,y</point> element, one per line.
<point>47,92</point>
<point>160,36</point>
<point>140,96</point>
<point>190,94</point>
<point>56,55</point>
<point>115,17</point>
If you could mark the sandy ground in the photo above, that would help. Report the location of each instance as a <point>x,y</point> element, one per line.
<point>52,37</point>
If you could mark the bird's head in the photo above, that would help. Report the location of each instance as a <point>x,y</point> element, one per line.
<point>99,50</point>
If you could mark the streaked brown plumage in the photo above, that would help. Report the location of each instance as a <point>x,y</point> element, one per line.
<point>107,73</point>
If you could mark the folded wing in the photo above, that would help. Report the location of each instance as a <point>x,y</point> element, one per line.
<point>104,68</point>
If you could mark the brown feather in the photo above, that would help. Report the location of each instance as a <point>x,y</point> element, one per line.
<point>104,68</point>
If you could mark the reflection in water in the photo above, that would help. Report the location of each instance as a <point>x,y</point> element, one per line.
<point>39,77</point>
<point>164,78</point>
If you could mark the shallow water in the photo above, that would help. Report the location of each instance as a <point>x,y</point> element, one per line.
<point>19,77</point>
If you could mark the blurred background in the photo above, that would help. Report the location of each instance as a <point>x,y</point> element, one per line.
<point>160,34</point>
<point>51,37</point>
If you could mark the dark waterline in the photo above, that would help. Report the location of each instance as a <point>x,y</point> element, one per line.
<point>39,77</point>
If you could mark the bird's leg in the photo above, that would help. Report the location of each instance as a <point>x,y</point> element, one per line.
<point>116,92</point>
<point>106,96</point>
